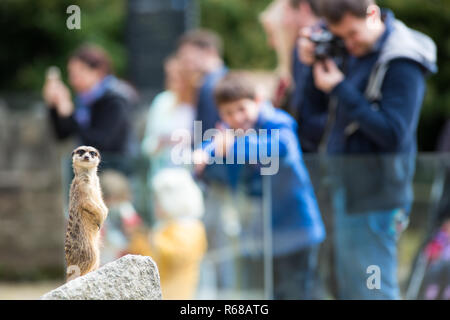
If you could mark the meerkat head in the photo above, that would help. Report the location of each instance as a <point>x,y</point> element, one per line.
<point>85,157</point>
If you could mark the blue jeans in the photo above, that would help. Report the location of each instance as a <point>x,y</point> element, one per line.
<point>365,242</point>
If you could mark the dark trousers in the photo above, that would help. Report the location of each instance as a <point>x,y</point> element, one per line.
<point>296,275</point>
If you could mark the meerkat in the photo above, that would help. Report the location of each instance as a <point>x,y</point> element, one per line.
<point>87,212</point>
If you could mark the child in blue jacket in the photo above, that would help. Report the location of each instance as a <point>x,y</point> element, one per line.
<point>262,140</point>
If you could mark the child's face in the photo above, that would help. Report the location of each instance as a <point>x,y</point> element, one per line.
<point>240,114</point>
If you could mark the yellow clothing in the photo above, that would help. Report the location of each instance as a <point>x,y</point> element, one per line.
<point>178,248</point>
<point>139,244</point>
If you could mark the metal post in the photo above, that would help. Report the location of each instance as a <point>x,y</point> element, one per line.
<point>267,237</point>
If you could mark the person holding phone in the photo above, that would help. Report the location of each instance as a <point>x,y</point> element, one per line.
<point>99,114</point>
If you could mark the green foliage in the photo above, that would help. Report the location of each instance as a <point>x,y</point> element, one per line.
<point>34,36</point>
<point>237,22</point>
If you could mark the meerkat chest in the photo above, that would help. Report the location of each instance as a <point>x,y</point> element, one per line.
<point>94,191</point>
<point>90,188</point>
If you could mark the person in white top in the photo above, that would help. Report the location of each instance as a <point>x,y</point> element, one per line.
<point>171,110</point>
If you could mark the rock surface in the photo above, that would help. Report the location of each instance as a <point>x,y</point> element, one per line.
<point>131,277</point>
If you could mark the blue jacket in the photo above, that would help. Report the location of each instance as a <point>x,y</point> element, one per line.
<point>206,106</point>
<point>296,219</point>
<point>384,127</point>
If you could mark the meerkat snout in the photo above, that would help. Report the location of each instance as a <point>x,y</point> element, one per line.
<point>86,157</point>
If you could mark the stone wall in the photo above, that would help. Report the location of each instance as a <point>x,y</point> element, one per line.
<point>31,199</point>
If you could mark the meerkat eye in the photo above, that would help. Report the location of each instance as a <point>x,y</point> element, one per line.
<point>93,153</point>
<point>81,152</point>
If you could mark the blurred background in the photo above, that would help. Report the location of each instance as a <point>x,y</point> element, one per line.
<point>139,35</point>
<point>131,30</point>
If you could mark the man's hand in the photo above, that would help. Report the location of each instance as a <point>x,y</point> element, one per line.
<point>306,47</point>
<point>327,75</point>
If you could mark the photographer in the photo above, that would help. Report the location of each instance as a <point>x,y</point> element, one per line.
<point>373,112</point>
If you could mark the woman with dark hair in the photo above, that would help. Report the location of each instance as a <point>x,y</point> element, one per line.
<point>99,116</point>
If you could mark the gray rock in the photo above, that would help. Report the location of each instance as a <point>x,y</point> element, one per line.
<point>131,277</point>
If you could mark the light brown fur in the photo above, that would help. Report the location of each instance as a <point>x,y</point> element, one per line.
<point>87,212</point>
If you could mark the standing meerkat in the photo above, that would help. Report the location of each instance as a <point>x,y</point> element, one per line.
<point>87,212</point>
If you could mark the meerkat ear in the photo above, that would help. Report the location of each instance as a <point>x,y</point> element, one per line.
<point>73,152</point>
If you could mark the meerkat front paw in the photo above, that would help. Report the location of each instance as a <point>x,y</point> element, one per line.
<point>105,211</point>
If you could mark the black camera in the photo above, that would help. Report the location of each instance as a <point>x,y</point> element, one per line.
<point>327,45</point>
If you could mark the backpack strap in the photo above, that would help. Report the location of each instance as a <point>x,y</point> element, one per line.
<point>373,89</point>
<point>332,106</point>
<point>372,93</point>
